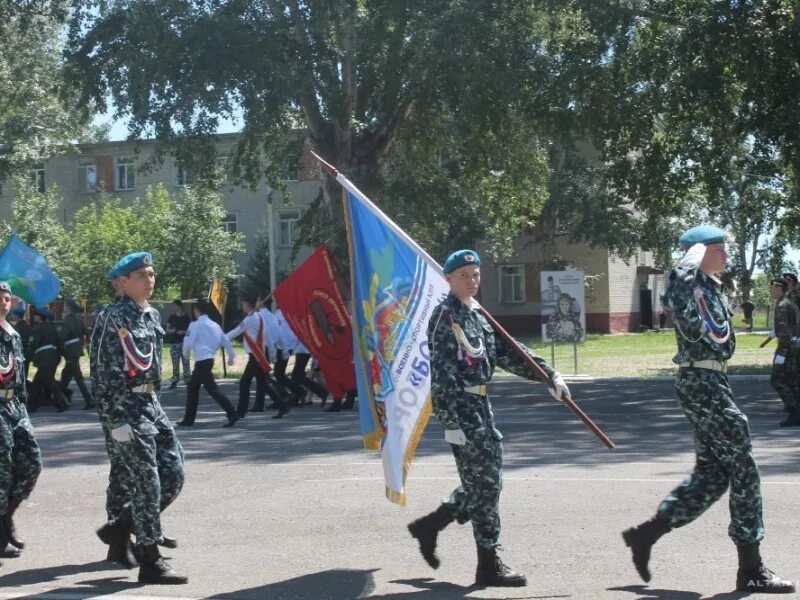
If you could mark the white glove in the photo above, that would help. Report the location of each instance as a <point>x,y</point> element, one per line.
<point>122,434</point>
<point>231,360</point>
<point>771,335</point>
<point>559,387</point>
<point>455,437</point>
<point>693,257</point>
<point>779,359</point>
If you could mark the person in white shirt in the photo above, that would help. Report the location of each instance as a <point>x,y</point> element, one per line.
<point>299,381</point>
<point>273,346</point>
<point>287,342</point>
<point>205,337</point>
<point>256,343</point>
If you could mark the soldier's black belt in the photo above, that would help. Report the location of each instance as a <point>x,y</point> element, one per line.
<point>711,365</point>
<point>480,390</point>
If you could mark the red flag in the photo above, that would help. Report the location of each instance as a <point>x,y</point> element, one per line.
<point>314,308</point>
<point>257,346</point>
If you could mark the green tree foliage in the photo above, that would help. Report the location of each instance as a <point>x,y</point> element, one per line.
<point>257,279</point>
<point>38,115</point>
<point>363,79</point>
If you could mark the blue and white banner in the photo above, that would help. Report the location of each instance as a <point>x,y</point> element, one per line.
<point>396,286</point>
<point>28,273</point>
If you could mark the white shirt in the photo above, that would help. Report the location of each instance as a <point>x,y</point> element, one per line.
<point>272,340</point>
<point>250,325</point>
<point>205,337</point>
<point>289,341</point>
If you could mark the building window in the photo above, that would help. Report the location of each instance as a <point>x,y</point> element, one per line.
<point>125,176</point>
<point>181,175</point>
<point>512,283</point>
<point>229,223</point>
<point>287,226</point>
<point>87,177</point>
<point>36,177</point>
<point>221,168</point>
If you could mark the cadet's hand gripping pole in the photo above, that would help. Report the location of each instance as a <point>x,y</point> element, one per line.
<point>546,380</point>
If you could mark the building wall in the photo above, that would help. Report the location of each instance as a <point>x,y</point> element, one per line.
<point>250,207</point>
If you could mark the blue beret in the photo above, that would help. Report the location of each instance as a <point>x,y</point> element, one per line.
<point>19,311</point>
<point>43,312</point>
<point>130,263</point>
<point>461,258</point>
<point>703,234</point>
<point>73,304</point>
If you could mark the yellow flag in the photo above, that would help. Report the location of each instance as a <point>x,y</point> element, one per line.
<point>218,295</point>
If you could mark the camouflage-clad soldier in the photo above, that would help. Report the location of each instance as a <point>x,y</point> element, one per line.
<point>464,352</point>
<point>44,346</point>
<point>24,330</point>
<point>724,454</point>
<point>128,341</point>
<point>784,363</point>
<point>793,293</point>
<point>72,333</point>
<point>20,457</point>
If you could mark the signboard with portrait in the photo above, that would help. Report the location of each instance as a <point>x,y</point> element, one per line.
<point>563,306</point>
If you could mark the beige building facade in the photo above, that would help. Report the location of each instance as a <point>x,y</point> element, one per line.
<point>622,296</point>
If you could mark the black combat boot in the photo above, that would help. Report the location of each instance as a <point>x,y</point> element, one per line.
<point>426,529</point>
<point>118,538</point>
<point>168,542</point>
<point>7,549</point>
<point>336,406</point>
<point>8,524</point>
<point>492,571</point>
<point>154,569</point>
<point>753,576</point>
<point>793,419</point>
<point>640,539</point>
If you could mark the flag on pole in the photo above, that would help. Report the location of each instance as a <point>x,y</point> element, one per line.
<point>218,295</point>
<point>396,286</point>
<point>314,308</point>
<point>28,274</point>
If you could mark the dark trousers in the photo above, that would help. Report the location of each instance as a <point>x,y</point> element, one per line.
<point>283,380</point>
<point>300,378</point>
<point>72,370</point>
<point>263,387</point>
<point>44,389</point>
<point>202,376</point>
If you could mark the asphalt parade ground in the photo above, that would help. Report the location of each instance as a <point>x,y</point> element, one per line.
<point>295,509</point>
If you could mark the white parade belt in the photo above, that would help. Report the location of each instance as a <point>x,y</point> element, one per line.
<point>145,388</point>
<point>712,365</point>
<point>72,341</point>
<point>46,347</point>
<point>480,390</point>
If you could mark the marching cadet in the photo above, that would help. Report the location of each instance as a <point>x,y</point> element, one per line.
<point>128,341</point>
<point>44,347</point>
<point>20,457</point>
<point>464,352</point>
<point>724,453</point>
<point>24,331</point>
<point>72,334</point>
<point>257,345</point>
<point>793,292</point>
<point>205,337</point>
<point>784,363</point>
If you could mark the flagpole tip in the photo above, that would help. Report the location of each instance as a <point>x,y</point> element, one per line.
<point>332,171</point>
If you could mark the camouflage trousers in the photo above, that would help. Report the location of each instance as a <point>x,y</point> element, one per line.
<point>150,468</point>
<point>784,380</point>
<point>178,360</point>
<point>20,457</point>
<point>724,457</point>
<point>480,464</point>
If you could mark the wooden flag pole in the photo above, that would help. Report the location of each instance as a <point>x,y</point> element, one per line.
<point>546,380</point>
<point>765,342</point>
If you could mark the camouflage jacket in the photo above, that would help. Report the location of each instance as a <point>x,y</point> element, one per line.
<point>72,329</point>
<point>11,345</point>
<point>794,296</point>
<point>113,374</point>
<point>787,321</point>
<point>453,369</point>
<point>693,342</point>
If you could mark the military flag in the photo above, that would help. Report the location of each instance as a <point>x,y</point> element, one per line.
<point>396,286</point>
<point>313,306</point>
<point>28,273</point>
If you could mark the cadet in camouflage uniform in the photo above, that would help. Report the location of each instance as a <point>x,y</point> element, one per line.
<point>128,344</point>
<point>794,296</point>
<point>706,341</point>
<point>72,332</point>
<point>784,363</point>
<point>464,352</point>
<point>46,356</point>
<point>20,457</point>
